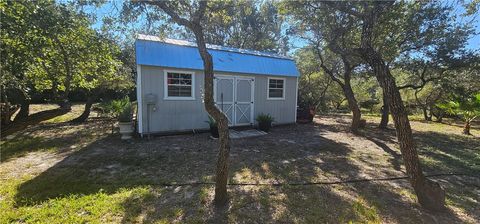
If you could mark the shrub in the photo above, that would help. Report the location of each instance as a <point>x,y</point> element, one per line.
<point>114,108</point>
<point>211,122</point>
<point>125,114</point>
<point>264,122</point>
<point>264,118</point>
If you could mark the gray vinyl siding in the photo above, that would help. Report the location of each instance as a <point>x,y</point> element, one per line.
<point>282,110</point>
<point>183,115</point>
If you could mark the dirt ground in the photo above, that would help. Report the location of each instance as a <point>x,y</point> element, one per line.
<point>60,171</point>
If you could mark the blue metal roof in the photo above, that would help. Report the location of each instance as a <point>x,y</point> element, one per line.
<point>154,51</point>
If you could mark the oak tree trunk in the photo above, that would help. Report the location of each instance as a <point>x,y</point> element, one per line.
<point>24,111</point>
<point>429,193</point>
<point>194,24</point>
<point>221,178</point>
<point>466,128</point>
<point>345,85</point>
<point>385,113</point>
<point>426,116</point>
<point>86,111</point>
<point>440,119</point>
<point>6,113</point>
<point>353,106</point>
<point>438,115</point>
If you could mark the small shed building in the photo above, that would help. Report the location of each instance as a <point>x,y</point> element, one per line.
<point>247,83</point>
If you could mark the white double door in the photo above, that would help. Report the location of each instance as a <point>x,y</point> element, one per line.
<point>234,96</point>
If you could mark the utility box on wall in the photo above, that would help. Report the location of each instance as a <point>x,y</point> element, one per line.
<point>150,99</point>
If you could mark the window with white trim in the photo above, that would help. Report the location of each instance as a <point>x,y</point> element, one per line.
<point>276,88</point>
<point>179,85</point>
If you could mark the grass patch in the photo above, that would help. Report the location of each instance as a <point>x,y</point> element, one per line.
<point>20,146</point>
<point>365,213</point>
<point>64,118</point>
<point>408,194</point>
<point>97,207</point>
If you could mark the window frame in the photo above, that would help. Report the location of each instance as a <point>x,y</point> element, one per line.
<point>165,85</point>
<point>283,89</point>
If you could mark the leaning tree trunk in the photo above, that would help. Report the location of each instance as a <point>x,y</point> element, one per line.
<point>466,128</point>
<point>221,178</point>
<point>32,120</point>
<point>439,118</point>
<point>345,85</point>
<point>426,116</point>
<point>385,113</point>
<point>424,107</point>
<point>353,105</point>
<point>24,111</point>
<point>6,113</point>
<point>437,113</point>
<point>24,106</point>
<point>86,112</point>
<point>429,193</point>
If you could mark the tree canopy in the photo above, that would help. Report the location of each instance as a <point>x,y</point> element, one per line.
<point>51,47</point>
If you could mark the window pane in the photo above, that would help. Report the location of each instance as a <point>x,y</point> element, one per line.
<point>185,76</point>
<point>275,88</point>
<point>173,81</point>
<point>179,79</point>
<point>179,85</point>
<point>180,91</point>
<point>185,81</point>
<point>172,75</point>
<point>173,91</point>
<point>279,83</point>
<point>275,83</point>
<point>185,91</point>
<point>275,93</point>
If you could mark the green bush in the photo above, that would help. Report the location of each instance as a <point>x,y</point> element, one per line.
<point>126,113</point>
<point>211,122</point>
<point>261,118</point>
<point>114,108</point>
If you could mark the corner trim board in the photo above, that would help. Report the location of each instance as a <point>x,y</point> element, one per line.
<point>139,100</point>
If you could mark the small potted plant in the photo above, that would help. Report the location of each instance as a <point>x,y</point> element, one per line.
<point>213,127</point>
<point>125,121</point>
<point>264,122</point>
<point>305,114</point>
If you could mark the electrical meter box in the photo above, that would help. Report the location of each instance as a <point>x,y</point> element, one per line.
<point>150,98</point>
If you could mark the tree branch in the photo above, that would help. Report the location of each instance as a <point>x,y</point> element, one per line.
<point>171,12</point>
<point>326,69</point>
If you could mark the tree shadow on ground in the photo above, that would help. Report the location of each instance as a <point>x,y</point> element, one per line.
<point>452,122</point>
<point>439,152</point>
<point>449,153</point>
<point>58,138</point>
<point>381,138</point>
<point>109,166</point>
<point>297,154</point>
<point>327,203</point>
<point>396,158</point>
<point>442,153</point>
